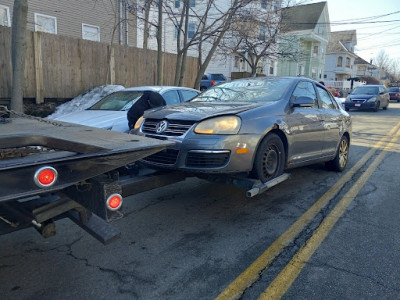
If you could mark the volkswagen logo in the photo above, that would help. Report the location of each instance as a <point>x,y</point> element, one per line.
<point>162,126</point>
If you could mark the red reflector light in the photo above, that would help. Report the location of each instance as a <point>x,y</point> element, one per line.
<point>114,202</point>
<point>45,177</point>
<point>213,82</point>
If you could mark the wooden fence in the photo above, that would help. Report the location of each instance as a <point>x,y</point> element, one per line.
<point>63,67</point>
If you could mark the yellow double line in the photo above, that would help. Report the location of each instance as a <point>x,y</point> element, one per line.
<point>283,281</point>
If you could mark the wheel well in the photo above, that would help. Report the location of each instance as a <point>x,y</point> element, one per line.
<point>283,138</point>
<point>347,135</point>
<point>284,141</point>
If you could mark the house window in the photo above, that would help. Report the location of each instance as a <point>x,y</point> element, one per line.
<point>192,3</point>
<point>4,16</point>
<point>45,23</point>
<point>90,32</point>
<point>314,73</point>
<point>347,62</point>
<point>177,3</point>
<point>263,3</point>
<point>300,73</point>
<point>271,70</point>
<point>261,35</point>
<point>237,61</point>
<point>191,29</point>
<point>276,5</point>
<point>340,61</point>
<point>315,50</point>
<point>176,31</point>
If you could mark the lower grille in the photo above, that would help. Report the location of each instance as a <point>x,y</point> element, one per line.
<point>165,157</point>
<point>207,160</point>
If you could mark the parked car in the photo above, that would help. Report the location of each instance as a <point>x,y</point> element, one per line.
<point>209,80</point>
<point>255,126</point>
<point>111,111</point>
<point>394,93</point>
<point>368,97</point>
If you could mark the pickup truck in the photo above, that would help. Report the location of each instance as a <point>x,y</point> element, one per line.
<point>51,170</point>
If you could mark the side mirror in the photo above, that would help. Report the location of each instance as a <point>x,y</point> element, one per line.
<point>303,101</point>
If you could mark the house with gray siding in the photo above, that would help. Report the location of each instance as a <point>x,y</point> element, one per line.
<point>102,21</point>
<point>340,56</point>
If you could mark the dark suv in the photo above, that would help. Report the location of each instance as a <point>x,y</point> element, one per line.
<point>210,80</point>
<point>368,97</point>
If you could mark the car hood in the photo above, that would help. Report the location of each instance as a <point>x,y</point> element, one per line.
<point>105,119</point>
<point>196,111</point>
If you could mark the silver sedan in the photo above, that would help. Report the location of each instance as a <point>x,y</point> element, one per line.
<point>256,126</point>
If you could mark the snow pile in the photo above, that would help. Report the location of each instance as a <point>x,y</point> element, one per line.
<point>85,100</point>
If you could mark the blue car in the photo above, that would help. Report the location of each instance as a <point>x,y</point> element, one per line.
<point>209,80</point>
<point>371,97</point>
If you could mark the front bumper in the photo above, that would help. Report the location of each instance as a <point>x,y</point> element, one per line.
<point>208,153</point>
<point>360,105</point>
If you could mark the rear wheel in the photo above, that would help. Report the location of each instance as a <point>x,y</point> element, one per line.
<point>342,156</point>
<point>270,158</point>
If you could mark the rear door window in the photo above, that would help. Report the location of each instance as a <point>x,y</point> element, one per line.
<point>327,101</point>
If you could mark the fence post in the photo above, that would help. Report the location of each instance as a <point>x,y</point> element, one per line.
<point>112,66</point>
<point>37,49</point>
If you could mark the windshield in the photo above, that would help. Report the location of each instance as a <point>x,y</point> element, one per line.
<point>121,100</point>
<point>365,90</point>
<point>256,90</point>
<point>394,89</point>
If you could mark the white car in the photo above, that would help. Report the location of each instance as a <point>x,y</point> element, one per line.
<point>111,112</point>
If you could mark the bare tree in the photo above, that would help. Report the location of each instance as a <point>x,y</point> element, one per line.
<point>159,43</point>
<point>18,49</point>
<point>254,36</point>
<point>382,60</point>
<point>146,23</point>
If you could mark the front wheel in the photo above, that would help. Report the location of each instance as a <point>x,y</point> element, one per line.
<point>342,156</point>
<point>270,158</point>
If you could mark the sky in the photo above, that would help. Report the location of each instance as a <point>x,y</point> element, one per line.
<point>377,23</point>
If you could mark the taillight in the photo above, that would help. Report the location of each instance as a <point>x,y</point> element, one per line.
<point>213,82</point>
<point>45,177</point>
<point>114,202</point>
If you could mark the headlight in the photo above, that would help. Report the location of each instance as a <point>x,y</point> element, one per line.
<point>138,123</point>
<point>373,99</point>
<point>219,125</point>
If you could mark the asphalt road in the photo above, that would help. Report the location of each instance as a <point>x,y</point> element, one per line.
<point>318,235</point>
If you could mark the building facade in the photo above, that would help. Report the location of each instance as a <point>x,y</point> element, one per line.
<point>101,21</point>
<point>340,56</point>
<point>305,35</point>
<point>221,62</point>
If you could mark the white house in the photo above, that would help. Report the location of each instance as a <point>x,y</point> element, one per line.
<point>225,64</point>
<point>340,56</point>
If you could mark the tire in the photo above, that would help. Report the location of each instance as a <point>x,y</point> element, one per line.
<point>342,156</point>
<point>377,105</point>
<point>347,109</point>
<point>202,89</point>
<point>270,158</point>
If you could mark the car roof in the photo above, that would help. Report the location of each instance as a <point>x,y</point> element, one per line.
<point>156,88</point>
